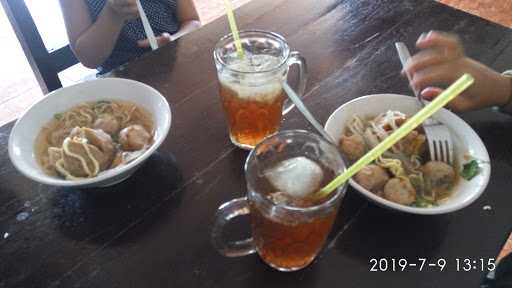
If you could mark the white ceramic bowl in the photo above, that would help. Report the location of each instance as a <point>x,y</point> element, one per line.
<point>23,135</point>
<point>466,144</point>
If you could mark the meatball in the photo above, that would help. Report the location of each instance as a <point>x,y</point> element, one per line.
<point>440,175</point>
<point>372,177</point>
<point>122,158</point>
<point>134,137</point>
<point>414,143</point>
<point>400,190</point>
<point>353,146</point>
<point>107,123</point>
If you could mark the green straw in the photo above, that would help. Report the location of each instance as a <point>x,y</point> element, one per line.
<point>449,94</point>
<point>234,28</point>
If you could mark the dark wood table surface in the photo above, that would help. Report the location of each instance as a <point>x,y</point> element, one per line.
<point>153,230</point>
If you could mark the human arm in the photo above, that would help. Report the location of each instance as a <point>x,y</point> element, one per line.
<point>441,60</point>
<point>189,21</point>
<point>93,42</point>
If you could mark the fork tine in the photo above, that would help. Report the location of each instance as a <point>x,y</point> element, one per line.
<point>431,148</point>
<point>441,149</point>
<point>440,143</point>
<point>444,150</point>
<point>436,151</point>
<point>449,149</point>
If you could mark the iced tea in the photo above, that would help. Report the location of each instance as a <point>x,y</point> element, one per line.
<point>251,85</point>
<point>289,223</point>
<point>252,117</point>
<point>291,242</point>
<point>289,246</point>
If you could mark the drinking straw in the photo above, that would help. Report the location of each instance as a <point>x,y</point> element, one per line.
<point>449,94</point>
<point>234,28</point>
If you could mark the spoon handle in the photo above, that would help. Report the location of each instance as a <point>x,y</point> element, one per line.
<point>302,108</point>
<point>405,55</point>
<point>147,27</point>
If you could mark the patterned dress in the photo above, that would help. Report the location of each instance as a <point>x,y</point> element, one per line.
<point>162,17</point>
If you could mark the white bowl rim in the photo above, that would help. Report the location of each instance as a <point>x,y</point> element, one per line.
<point>417,210</point>
<point>54,181</point>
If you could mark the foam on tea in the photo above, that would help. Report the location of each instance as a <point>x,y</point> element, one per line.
<point>255,63</point>
<point>254,86</point>
<point>298,177</point>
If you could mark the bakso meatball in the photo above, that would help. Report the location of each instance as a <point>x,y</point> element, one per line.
<point>107,123</point>
<point>134,137</point>
<point>124,157</point>
<point>414,143</point>
<point>353,146</point>
<point>440,174</point>
<point>372,177</point>
<point>400,190</point>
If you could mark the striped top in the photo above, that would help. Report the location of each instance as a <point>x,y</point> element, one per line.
<point>162,17</point>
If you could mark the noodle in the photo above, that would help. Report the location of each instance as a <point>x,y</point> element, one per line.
<point>403,160</point>
<point>58,135</point>
<point>393,165</point>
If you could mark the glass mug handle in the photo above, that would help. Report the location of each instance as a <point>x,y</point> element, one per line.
<point>296,58</point>
<point>226,212</point>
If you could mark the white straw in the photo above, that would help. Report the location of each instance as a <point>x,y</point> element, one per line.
<point>300,105</point>
<point>147,27</point>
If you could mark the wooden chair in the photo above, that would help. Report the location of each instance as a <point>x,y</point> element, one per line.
<point>45,64</point>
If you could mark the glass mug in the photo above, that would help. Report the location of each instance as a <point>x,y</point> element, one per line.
<point>286,237</point>
<point>251,88</point>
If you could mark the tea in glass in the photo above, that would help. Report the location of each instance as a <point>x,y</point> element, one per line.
<point>251,87</point>
<point>289,223</point>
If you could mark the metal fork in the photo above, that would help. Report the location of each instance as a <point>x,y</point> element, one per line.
<point>438,136</point>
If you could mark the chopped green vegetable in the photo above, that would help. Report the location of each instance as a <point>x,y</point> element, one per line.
<point>418,183</point>
<point>58,116</point>
<point>470,170</point>
<point>422,202</point>
<point>103,102</point>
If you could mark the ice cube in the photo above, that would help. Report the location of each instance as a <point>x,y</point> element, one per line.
<point>282,198</point>
<point>279,198</point>
<point>297,176</point>
<point>254,63</point>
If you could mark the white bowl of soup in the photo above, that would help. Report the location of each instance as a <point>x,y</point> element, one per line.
<point>91,134</point>
<point>405,178</point>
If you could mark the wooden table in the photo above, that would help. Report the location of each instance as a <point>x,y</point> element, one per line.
<point>153,230</point>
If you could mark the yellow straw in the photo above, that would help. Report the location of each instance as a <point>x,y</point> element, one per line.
<point>449,94</point>
<point>234,29</point>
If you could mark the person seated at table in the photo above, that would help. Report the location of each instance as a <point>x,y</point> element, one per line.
<point>104,34</point>
<point>441,60</point>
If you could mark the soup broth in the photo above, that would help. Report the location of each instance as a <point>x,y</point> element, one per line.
<point>92,137</point>
<point>404,174</point>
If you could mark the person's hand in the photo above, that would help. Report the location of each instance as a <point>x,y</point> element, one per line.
<point>441,61</point>
<point>161,40</point>
<point>124,9</point>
